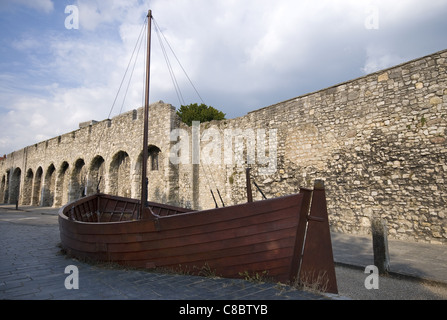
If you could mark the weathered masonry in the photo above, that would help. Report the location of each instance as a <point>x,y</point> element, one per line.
<point>379,141</point>
<point>104,156</point>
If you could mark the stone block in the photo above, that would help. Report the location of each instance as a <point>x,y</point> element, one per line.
<point>383,77</point>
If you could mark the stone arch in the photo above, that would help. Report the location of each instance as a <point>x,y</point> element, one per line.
<point>14,194</point>
<point>37,184</point>
<point>2,189</point>
<point>61,197</point>
<point>119,175</point>
<point>49,187</point>
<point>27,189</point>
<point>78,181</point>
<point>155,174</point>
<point>96,176</point>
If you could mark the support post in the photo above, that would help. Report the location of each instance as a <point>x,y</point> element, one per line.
<point>248,180</point>
<point>380,245</point>
<point>144,180</point>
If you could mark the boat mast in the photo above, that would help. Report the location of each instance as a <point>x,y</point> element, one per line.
<point>144,181</point>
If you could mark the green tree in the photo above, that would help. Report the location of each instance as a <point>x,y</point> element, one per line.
<point>202,113</point>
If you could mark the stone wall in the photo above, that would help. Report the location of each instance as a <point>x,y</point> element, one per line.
<point>378,141</point>
<point>104,155</point>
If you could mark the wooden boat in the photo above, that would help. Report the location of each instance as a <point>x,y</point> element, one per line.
<point>285,239</point>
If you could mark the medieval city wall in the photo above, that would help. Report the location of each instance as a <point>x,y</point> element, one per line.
<point>104,156</point>
<point>379,142</point>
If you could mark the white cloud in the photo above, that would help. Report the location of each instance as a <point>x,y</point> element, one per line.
<point>95,13</point>
<point>241,55</point>
<point>26,43</point>
<point>378,58</point>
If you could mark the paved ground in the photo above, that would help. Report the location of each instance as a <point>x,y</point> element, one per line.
<point>33,267</point>
<point>418,271</point>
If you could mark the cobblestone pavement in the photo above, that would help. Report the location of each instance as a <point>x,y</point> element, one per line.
<point>32,266</point>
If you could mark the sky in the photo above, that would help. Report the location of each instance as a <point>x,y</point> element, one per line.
<point>62,61</point>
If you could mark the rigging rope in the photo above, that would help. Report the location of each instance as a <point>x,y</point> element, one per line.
<point>161,37</point>
<point>128,65</point>
<point>133,69</point>
<point>178,61</point>
<point>116,97</point>
<point>168,63</point>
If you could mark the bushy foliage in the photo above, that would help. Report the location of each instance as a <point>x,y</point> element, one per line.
<point>202,113</point>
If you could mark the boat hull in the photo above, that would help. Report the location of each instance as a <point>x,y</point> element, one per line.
<point>252,238</point>
<point>263,238</point>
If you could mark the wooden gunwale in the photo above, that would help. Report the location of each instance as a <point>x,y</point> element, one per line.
<point>265,205</point>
